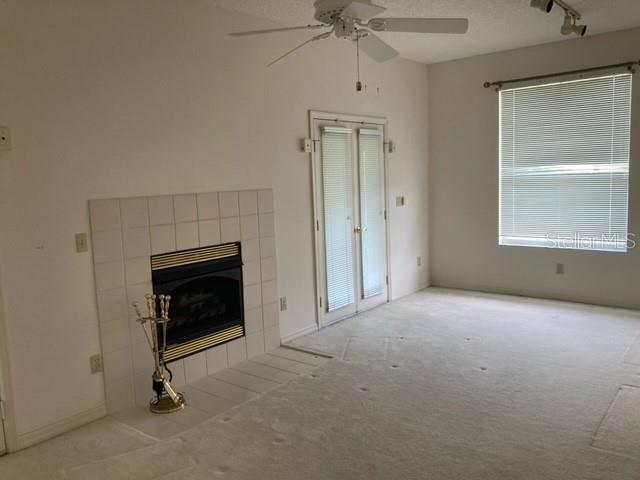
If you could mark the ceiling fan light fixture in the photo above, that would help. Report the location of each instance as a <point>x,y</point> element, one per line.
<point>544,5</point>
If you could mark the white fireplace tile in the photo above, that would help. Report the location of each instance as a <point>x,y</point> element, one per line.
<point>207,206</point>
<point>142,359</point>
<point>207,402</point>
<point>135,329</point>
<point>270,315</point>
<point>269,292</point>
<point>184,208</point>
<point>265,371</point>
<point>142,389</point>
<point>161,210</point>
<point>117,365</point>
<point>138,270</point>
<point>137,242</point>
<point>187,235</point>
<point>253,320</point>
<point>271,338</point>
<point>250,250</point>
<point>177,369</point>
<point>268,268</point>
<point>134,212</point>
<point>216,358</point>
<point>267,247</point>
<point>209,232</point>
<point>267,228</point>
<point>230,229</point>
<point>248,202</point>
<point>163,239</point>
<point>236,351</point>
<point>105,215</point>
<point>222,389</point>
<point>255,344</point>
<point>252,296</point>
<point>251,273</point>
<point>228,202</point>
<point>245,380</point>
<point>195,367</point>
<point>107,246</point>
<point>112,305</point>
<point>114,335</point>
<point>249,227</point>
<point>119,395</point>
<point>136,293</point>
<point>109,275</point>
<point>265,201</point>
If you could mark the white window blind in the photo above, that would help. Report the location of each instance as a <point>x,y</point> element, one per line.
<point>337,179</point>
<point>564,164</point>
<point>373,236</point>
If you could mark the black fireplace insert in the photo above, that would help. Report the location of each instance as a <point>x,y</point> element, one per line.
<point>205,285</point>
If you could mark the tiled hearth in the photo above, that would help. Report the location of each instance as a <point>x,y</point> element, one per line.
<point>127,231</point>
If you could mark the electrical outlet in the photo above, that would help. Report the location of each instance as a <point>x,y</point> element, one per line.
<point>419,261</point>
<point>560,268</point>
<point>96,363</point>
<point>82,244</point>
<point>283,304</point>
<point>5,138</point>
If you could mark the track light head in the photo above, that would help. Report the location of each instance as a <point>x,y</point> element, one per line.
<point>544,5</point>
<point>580,30</point>
<point>569,26</point>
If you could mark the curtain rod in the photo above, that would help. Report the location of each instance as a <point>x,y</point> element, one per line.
<point>628,65</point>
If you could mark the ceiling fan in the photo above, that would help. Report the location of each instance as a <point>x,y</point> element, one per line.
<point>356,20</point>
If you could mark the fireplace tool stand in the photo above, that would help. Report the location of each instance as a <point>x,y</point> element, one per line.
<point>167,400</point>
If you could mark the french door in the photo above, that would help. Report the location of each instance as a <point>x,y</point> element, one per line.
<point>351,220</point>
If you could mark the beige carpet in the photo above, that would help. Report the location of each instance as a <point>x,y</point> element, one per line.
<point>439,385</point>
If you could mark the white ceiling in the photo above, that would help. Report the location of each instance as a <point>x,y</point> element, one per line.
<point>495,25</point>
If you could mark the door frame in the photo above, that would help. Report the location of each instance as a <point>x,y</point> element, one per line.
<point>314,116</point>
<point>9,426</point>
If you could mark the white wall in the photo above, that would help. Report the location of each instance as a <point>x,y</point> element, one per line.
<point>121,98</point>
<point>463,155</point>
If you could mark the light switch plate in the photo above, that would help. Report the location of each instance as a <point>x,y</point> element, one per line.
<point>283,304</point>
<point>5,138</point>
<point>82,244</point>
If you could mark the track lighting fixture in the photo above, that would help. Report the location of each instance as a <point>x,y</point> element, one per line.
<point>544,5</point>
<point>569,26</point>
<point>571,16</point>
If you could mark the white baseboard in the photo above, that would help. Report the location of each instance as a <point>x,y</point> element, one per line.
<point>300,333</point>
<point>48,431</point>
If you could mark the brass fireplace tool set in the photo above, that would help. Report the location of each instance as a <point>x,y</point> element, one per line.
<point>167,400</point>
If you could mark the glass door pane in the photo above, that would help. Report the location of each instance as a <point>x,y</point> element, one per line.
<point>337,184</point>
<point>372,206</point>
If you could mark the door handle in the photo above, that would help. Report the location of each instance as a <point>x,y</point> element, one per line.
<point>357,230</point>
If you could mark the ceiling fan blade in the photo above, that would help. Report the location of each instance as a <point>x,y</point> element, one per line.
<point>419,25</point>
<point>373,46</point>
<point>322,36</point>
<point>361,10</point>
<point>276,30</point>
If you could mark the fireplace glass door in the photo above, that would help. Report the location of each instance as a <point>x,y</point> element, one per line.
<point>351,213</point>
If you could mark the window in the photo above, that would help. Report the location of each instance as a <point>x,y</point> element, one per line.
<point>564,164</point>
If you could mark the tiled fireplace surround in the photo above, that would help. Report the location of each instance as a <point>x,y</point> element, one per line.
<point>126,231</point>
